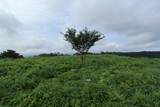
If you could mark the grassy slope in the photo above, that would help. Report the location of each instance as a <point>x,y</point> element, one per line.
<point>104,81</point>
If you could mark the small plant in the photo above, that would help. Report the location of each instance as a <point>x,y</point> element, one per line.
<point>82,41</point>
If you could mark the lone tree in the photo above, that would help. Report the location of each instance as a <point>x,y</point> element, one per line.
<point>82,41</point>
<point>10,54</point>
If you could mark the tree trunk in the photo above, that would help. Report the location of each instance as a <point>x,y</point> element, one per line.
<point>82,58</point>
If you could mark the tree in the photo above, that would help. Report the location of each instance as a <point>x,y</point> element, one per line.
<point>82,41</point>
<point>10,54</point>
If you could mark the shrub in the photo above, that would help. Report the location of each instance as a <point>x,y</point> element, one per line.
<point>10,54</point>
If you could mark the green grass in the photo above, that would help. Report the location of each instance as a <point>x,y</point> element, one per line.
<point>104,81</point>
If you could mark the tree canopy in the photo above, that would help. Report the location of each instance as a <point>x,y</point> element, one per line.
<point>84,40</point>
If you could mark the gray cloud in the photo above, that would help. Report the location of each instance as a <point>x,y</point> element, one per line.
<point>8,23</point>
<point>9,29</point>
<point>33,26</point>
<point>137,19</point>
<point>25,25</point>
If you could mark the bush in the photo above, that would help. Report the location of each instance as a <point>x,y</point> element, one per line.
<point>10,54</point>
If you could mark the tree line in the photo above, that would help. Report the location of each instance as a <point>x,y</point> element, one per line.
<point>147,54</point>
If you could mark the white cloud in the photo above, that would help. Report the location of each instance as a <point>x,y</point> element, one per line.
<point>36,10</point>
<point>25,25</point>
<point>138,19</point>
<point>33,26</point>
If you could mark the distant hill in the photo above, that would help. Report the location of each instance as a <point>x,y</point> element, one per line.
<point>148,54</point>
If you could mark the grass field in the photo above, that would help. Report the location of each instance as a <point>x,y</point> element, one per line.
<point>104,81</point>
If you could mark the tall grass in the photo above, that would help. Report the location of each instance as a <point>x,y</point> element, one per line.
<point>104,81</point>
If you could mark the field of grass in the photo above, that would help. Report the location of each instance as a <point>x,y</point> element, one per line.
<point>104,81</point>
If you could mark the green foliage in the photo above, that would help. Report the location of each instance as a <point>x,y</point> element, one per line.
<point>82,41</point>
<point>10,54</point>
<point>104,81</point>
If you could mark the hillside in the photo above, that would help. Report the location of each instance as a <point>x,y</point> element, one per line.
<point>147,54</point>
<point>60,81</point>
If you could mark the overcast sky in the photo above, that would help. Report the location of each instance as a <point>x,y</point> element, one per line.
<point>33,26</point>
